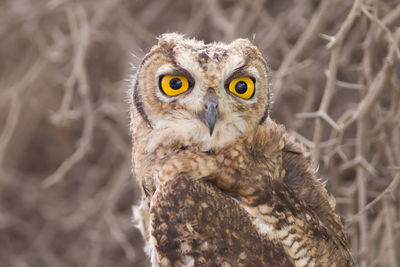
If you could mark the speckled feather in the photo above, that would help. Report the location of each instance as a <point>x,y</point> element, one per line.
<point>207,228</point>
<point>243,196</point>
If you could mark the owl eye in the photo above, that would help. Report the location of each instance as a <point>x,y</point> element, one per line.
<point>173,85</point>
<point>242,87</point>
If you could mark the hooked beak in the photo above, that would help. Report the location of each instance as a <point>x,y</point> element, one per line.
<point>210,114</point>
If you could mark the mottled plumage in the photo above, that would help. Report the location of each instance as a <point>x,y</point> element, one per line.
<point>223,185</point>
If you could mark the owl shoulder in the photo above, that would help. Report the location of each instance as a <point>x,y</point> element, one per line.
<point>272,140</point>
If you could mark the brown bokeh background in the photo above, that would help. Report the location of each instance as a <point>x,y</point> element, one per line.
<point>66,189</point>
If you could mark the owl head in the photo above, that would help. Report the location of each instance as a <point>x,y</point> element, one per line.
<point>200,95</point>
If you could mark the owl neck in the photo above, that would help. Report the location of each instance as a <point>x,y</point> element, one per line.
<point>267,139</point>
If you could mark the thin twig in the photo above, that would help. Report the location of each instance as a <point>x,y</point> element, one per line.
<point>390,189</point>
<point>375,89</point>
<point>79,74</point>
<point>304,40</point>
<point>16,105</point>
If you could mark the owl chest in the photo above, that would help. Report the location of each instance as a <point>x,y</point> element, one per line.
<point>247,175</point>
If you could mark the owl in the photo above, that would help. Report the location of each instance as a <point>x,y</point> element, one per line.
<point>222,183</point>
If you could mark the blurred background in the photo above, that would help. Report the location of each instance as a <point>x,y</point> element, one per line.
<point>66,189</point>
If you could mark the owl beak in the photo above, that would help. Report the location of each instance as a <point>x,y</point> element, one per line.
<point>211,115</point>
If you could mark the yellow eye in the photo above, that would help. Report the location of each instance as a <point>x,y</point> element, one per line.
<point>173,85</point>
<point>242,87</point>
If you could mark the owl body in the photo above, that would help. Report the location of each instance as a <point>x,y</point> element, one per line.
<point>223,185</point>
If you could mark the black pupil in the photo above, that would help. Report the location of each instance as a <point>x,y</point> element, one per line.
<point>241,87</point>
<point>175,83</point>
